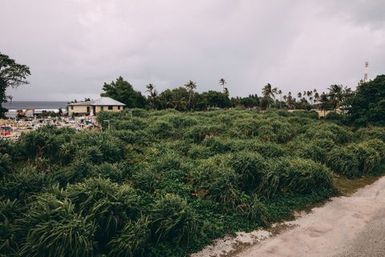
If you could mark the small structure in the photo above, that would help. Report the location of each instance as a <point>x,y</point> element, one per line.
<point>95,106</point>
<point>11,114</point>
<point>5,131</point>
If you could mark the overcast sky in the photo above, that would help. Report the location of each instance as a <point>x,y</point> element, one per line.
<point>73,46</point>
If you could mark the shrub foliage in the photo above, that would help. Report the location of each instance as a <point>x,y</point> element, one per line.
<point>164,183</point>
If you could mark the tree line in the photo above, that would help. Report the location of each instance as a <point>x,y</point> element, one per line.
<point>365,105</point>
<point>186,97</point>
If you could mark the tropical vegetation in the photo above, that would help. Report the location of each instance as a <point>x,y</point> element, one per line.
<point>362,107</point>
<point>12,75</point>
<point>166,183</point>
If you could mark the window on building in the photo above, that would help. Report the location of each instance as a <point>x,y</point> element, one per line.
<point>101,108</point>
<point>72,107</point>
<point>118,107</point>
<point>110,107</point>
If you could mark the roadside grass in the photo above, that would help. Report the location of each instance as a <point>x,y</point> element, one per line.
<point>348,186</point>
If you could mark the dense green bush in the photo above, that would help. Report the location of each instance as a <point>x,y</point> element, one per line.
<point>250,168</point>
<point>372,133</point>
<point>276,131</point>
<point>367,156</point>
<point>133,124</point>
<point>316,150</point>
<point>257,211</point>
<point>76,172</point>
<point>5,164</point>
<point>182,122</point>
<point>344,161</point>
<point>9,148</point>
<point>165,183</point>
<point>45,142</point>
<point>54,229</point>
<point>292,176</point>
<point>356,159</point>
<point>367,105</point>
<point>132,240</point>
<point>199,133</point>
<point>161,129</point>
<point>245,128</point>
<point>377,144</point>
<point>217,145</point>
<point>266,149</point>
<point>146,179</point>
<point>132,137</point>
<point>108,204</point>
<point>10,210</point>
<point>214,180</point>
<point>199,152</point>
<point>23,183</point>
<point>331,131</point>
<point>173,219</point>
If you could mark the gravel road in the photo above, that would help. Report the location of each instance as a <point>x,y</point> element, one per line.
<point>351,226</point>
<point>371,241</point>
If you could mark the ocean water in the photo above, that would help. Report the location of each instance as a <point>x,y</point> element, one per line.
<point>17,105</point>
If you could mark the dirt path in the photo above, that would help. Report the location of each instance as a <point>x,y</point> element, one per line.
<point>351,226</point>
<point>346,226</point>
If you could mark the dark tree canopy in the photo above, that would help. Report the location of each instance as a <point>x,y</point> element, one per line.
<point>12,74</point>
<point>368,103</point>
<point>250,101</point>
<point>176,98</point>
<point>216,99</point>
<point>123,91</point>
<point>183,99</point>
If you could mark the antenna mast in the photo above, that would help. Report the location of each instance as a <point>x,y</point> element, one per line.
<point>366,72</point>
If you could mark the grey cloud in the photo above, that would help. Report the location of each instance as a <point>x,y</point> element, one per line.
<point>73,46</point>
<point>361,12</point>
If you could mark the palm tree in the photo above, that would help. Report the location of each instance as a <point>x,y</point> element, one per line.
<point>324,102</point>
<point>336,94</point>
<point>289,100</point>
<point>280,98</point>
<point>309,95</point>
<point>316,97</point>
<point>269,92</point>
<point>190,86</point>
<point>299,95</point>
<point>152,91</point>
<point>226,91</point>
<point>222,82</point>
<point>348,92</point>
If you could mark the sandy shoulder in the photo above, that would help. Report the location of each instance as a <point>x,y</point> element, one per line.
<point>331,230</point>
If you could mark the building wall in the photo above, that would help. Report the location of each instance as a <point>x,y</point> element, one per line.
<point>79,109</point>
<point>106,109</point>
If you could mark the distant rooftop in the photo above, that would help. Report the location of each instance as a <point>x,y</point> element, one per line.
<point>102,101</point>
